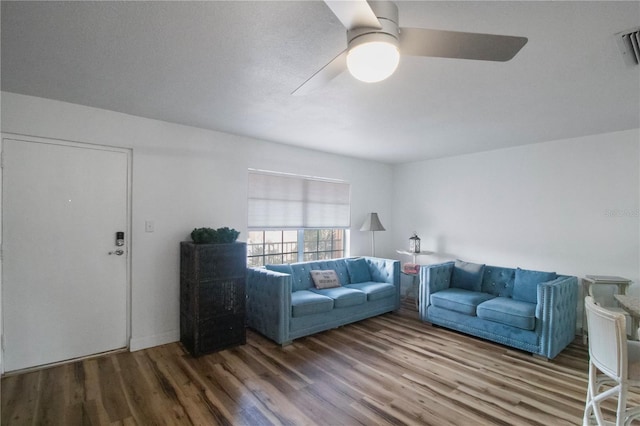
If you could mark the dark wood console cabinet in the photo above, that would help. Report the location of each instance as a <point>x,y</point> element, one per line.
<point>212,296</point>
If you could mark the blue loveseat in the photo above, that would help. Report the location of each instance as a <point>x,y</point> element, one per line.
<point>283,304</point>
<point>530,310</point>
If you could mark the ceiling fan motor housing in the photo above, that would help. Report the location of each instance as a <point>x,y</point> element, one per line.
<point>387,14</point>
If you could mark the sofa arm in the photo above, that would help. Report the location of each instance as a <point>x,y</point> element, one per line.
<point>386,271</point>
<point>269,303</point>
<point>556,311</point>
<point>433,278</point>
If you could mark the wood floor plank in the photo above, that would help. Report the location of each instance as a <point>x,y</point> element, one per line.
<point>112,397</point>
<point>58,397</point>
<point>147,393</point>
<point>190,395</point>
<point>389,370</point>
<point>20,397</point>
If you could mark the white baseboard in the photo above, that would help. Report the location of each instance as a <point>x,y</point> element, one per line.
<point>138,343</point>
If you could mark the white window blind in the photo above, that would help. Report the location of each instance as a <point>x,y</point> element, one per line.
<point>286,201</point>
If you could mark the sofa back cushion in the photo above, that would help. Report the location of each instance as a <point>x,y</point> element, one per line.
<point>525,287</point>
<point>358,270</point>
<point>301,272</point>
<point>338,265</point>
<point>498,281</point>
<point>301,276</point>
<point>467,276</point>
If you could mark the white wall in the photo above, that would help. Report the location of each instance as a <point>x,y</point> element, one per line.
<point>184,177</point>
<point>569,206</point>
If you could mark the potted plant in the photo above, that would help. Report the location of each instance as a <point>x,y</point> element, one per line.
<point>214,236</point>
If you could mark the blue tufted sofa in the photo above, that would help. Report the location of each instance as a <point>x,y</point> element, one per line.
<point>283,304</point>
<point>530,310</point>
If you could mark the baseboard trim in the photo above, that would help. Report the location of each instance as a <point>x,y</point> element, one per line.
<point>63,362</point>
<point>139,343</point>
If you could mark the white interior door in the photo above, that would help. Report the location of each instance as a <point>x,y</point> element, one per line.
<point>63,295</point>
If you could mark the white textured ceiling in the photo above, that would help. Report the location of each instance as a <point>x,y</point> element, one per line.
<point>231,66</point>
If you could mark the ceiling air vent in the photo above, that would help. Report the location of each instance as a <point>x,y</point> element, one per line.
<point>629,43</point>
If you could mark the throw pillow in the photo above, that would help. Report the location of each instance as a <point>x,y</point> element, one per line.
<point>358,271</point>
<point>325,279</point>
<point>467,275</point>
<point>525,287</point>
<point>285,269</point>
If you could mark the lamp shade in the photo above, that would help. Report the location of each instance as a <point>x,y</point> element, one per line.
<point>373,57</point>
<point>372,223</point>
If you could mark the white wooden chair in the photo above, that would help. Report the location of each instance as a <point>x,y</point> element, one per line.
<point>613,361</point>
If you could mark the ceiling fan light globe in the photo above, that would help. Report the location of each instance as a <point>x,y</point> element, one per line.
<point>373,61</point>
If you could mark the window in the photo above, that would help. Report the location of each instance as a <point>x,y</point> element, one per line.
<point>295,218</point>
<point>290,246</point>
<point>322,244</point>
<point>264,247</point>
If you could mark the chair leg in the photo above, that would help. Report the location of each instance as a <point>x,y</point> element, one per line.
<point>622,404</point>
<point>588,408</point>
<point>593,400</point>
<point>631,415</point>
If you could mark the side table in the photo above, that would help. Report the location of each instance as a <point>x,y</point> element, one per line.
<point>631,304</point>
<point>589,281</point>
<point>415,278</point>
<point>414,255</point>
<point>413,290</point>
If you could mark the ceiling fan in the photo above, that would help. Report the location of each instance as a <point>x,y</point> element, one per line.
<point>375,43</point>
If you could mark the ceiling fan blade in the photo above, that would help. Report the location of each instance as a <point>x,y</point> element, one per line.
<point>459,45</point>
<point>354,13</point>
<point>326,74</point>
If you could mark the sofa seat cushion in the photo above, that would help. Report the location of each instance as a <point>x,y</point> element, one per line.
<point>374,290</point>
<point>459,300</point>
<point>505,310</point>
<point>342,296</point>
<point>304,302</point>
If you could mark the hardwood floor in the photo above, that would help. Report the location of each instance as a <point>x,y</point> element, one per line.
<point>392,369</point>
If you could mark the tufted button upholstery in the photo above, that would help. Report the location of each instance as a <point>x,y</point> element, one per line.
<point>554,325</point>
<point>498,281</point>
<point>557,300</point>
<point>439,278</point>
<point>268,293</point>
<point>269,298</point>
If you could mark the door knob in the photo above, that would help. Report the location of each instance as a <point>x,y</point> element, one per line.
<point>117,252</point>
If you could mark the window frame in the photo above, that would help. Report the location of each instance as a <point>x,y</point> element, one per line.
<point>301,253</point>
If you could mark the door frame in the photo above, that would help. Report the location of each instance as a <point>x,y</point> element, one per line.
<point>128,238</point>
